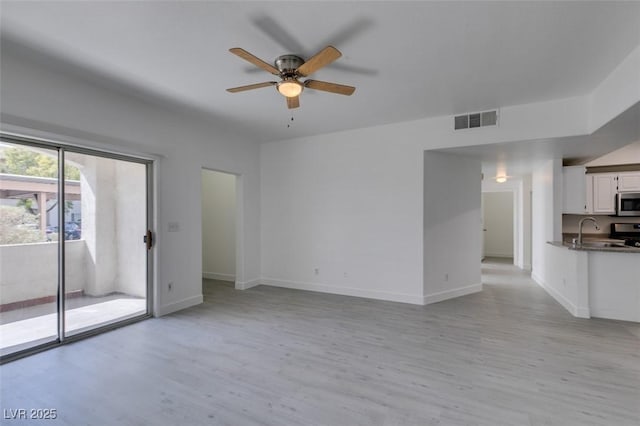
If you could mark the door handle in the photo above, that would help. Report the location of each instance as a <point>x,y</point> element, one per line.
<point>148,239</point>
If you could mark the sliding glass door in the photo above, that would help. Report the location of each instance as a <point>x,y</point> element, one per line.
<point>105,257</point>
<point>29,209</point>
<point>73,258</point>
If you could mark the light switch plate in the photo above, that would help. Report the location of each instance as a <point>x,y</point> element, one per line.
<point>174,227</point>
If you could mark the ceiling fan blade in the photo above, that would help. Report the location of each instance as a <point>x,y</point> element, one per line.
<point>254,60</point>
<point>348,33</point>
<point>319,60</point>
<point>330,87</point>
<point>251,86</point>
<point>293,102</point>
<point>278,33</point>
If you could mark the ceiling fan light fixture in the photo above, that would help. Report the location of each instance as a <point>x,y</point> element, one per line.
<point>290,88</point>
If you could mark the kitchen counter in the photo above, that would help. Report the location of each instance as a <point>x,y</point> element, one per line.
<point>599,282</point>
<point>570,246</point>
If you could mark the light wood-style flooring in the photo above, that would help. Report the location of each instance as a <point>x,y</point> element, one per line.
<point>271,356</point>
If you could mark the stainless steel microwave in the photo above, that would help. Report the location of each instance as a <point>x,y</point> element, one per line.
<point>628,204</point>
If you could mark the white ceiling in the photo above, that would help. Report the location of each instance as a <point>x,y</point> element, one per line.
<point>408,60</point>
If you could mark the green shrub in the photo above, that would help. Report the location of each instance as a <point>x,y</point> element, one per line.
<point>18,226</point>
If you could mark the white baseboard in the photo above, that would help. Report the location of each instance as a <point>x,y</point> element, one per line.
<point>450,294</point>
<point>526,267</point>
<point>244,285</point>
<point>615,314</point>
<point>537,279</point>
<point>179,305</point>
<point>573,309</point>
<point>345,291</point>
<point>583,312</point>
<point>578,312</point>
<point>219,276</point>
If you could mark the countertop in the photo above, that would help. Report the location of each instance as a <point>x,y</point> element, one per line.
<point>625,249</point>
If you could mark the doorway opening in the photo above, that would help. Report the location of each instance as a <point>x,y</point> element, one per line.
<point>219,216</point>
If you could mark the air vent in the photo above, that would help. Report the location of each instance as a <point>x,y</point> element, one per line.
<point>477,119</point>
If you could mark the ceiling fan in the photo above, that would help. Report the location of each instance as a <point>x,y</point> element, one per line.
<point>290,69</point>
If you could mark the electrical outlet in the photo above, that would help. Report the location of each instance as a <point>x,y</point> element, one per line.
<point>316,271</point>
<point>346,275</point>
<point>446,277</point>
<point>170,286</point>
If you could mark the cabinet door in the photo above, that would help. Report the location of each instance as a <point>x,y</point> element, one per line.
<point>574,185</point>
<point>628,181</point>
<point>604,193</point>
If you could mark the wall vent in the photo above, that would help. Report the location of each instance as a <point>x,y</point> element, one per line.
<point>477,119</point>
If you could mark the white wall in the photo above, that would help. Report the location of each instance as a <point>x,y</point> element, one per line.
<point>616,93</point>
<point>46,99</point>
<point>218,225</point>
<point>97,181</point>
<point>350,206</point>
<point>452,226</point>
<point>546,222</point>
<point>347,207</point>
<point>498,222</point>
<point>30,271</point>
<point>526,226</point>
<point>629,154</point>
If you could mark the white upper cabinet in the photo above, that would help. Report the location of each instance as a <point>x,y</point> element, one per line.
<point>629,182</point>
<point>594,193</point>
<point>574,187</point>
<point>604,193</point>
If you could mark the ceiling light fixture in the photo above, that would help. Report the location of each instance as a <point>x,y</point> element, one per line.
<point>501,179</point>
<point>290,88</point>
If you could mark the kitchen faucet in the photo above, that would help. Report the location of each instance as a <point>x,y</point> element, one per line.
<point>580,224</point>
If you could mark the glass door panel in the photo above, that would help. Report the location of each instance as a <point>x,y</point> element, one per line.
<point>105,264</point>
<point>29,248</point>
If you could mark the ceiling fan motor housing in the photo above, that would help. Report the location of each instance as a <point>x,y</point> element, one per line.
<point>288,64</point>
